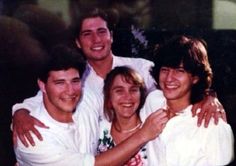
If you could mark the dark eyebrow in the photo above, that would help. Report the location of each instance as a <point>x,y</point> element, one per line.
<point>102,28</point>
<point>76,78</point>
<point>85,31</point>
<point>117,87</point>
<point>59,80</point>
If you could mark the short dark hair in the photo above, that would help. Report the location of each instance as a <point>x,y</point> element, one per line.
<point>109,16</point>
<point>192,52</point>
<point>130,76</point>
<point>62,57</point>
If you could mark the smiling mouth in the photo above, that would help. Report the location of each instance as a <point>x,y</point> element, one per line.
<point>72,98</point>
<point>127,105</point>
<point>171,86</point>
<point>97,48</point>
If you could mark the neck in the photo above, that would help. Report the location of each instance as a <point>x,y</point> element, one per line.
<point>58,115</point>
<point>176,106</point>
<point>102,67</point>
<point>127,125</point>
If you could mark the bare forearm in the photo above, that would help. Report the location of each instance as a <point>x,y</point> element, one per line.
<point>122,152</point>
<point>151,128</point>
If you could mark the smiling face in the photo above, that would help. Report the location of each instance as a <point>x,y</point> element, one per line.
<point>176,84</point>
<point>124,97</point>
<point>95,39</point>
<point>61,93</point>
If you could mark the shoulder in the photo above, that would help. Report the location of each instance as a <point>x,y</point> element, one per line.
<point>104,124</point>
<point>133,61</point>
<point>154,101</point>
<point>156,94</point>
<point>156,98</point>
<point>220,128</point>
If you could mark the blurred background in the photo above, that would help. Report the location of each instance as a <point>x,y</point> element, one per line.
<point>29,28</point>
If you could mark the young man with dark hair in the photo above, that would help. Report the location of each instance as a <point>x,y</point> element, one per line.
<point>183,73</point>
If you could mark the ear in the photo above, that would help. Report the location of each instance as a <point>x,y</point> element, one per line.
<point>111,36</point>
<point>41,85</point>
<point>77,43</point>
<point>195,79</point>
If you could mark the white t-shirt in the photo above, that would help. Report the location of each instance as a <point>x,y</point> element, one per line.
<point>63,144</point>
<point>183,143</point>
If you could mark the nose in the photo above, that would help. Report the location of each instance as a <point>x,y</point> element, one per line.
<point>70,89</point>
<point>127,95</point>
<point>96,37</point>
<point>170,75</point>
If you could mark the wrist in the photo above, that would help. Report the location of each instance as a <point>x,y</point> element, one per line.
<point>210,92</point>
<point>21,112</point>
<point>142,137</point>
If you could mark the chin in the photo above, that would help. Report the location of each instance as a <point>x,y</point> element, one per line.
<point>69,109</point>
<point>170,97</point>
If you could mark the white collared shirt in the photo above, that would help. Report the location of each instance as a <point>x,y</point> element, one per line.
<point>183,143</point>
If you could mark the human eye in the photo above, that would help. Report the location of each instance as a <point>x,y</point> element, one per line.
<point>164,69</point>
<point>180,70</point>
<point>76,80</point>
<point>86,34</point>
<point>118,90</point>
<point>102,31</point>
<point>59,82</point>
<point>134,89</point>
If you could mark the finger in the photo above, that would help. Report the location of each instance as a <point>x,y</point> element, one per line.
<point>208,115</point>
<point>195,108</point>
<point>157,115</point>
<point>161,118</point>
<point>38,135</point>
<point>217,115</point>
<point>39,123</point>
<point>23,140</point>
<point>162,121</point>
<point>222,112</point>
<point>29,138</point>
<point>200,117</point>
<point>224,117</point>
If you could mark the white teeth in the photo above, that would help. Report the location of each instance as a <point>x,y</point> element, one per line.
<point>69,98</point>
<point>171,86</point>
<point>97,48</point>
<point>127,105</point>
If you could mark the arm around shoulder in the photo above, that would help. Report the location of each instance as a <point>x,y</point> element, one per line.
<point>29,103</point>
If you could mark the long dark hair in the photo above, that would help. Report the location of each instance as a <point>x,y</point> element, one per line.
<point>192,52</point>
